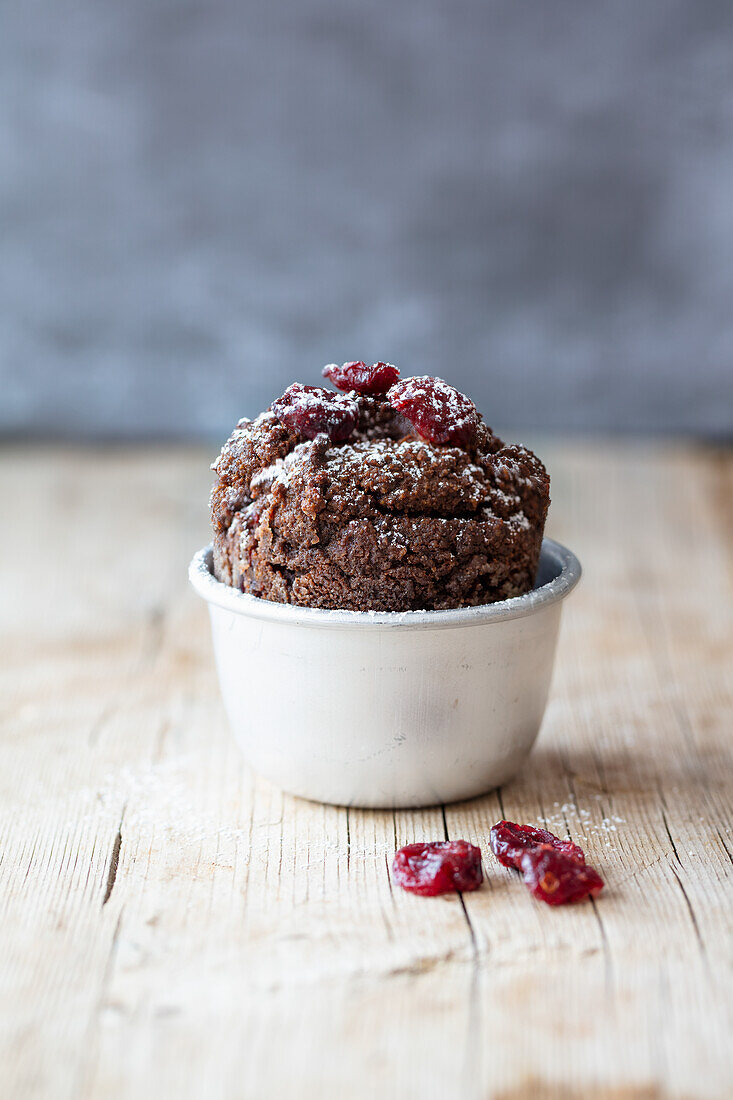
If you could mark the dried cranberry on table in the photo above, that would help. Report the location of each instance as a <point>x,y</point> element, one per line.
<point>437,411</point>
<point>556,878</point>
<point>374,380</point>
<point>311,410</point>
<point>554,870</point>
<point>438,867</point>
<point>510,841</point>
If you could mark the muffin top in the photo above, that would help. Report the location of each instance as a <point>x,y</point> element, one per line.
<point>393,492</point>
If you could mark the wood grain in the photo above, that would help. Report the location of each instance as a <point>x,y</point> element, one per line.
<point>174,926</point>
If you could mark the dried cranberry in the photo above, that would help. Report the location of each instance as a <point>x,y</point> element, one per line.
<point>311,410</point>
<point>437,411</point>
<point>438,867</point>
<point>373,380</point>
<point>510,841</point>
<point>555,877</point>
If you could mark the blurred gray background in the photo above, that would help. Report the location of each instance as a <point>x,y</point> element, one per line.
<point>203,201</point>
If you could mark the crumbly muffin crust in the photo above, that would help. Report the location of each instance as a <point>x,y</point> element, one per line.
<point>382,521</point>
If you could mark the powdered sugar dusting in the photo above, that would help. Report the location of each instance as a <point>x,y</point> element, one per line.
<point>437,388</point>
<point>311,410</point>
<point>280,471</point>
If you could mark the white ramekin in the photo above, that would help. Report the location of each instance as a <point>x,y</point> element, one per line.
<point>387,709</point>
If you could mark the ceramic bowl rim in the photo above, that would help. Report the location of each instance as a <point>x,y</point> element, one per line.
<point>562,562</point>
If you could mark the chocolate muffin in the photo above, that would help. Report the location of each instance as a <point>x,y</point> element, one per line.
<point>392,496</point>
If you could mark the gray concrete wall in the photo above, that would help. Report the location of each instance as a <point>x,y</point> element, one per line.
<point>202,201</point>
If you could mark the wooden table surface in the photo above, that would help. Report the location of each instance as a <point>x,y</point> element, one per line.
<point>172,926</point>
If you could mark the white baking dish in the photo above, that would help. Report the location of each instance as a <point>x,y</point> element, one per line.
<point>387,709</point>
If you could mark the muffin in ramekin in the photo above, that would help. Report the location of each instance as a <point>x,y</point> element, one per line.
<point>383,606</point>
